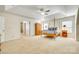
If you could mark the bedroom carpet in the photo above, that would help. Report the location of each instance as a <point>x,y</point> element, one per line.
<point>40,45</point>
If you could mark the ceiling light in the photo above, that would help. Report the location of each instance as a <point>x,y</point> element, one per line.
<point>42,13</point>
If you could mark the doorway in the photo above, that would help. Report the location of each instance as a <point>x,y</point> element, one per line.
<point>25,26</point>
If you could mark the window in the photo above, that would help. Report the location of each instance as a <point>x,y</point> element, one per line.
<point>68,25</point>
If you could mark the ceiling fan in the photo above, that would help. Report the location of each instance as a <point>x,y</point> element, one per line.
<point>44,11</point>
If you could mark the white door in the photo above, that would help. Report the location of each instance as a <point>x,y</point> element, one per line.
<point>2,29</point>
<point>26,28</point>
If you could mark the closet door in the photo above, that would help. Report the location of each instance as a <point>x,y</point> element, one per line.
<point>38,28</point>
<point>2,29</point>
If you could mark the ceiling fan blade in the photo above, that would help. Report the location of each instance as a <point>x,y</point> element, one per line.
<point>41,9</point>
<point>47,11</point>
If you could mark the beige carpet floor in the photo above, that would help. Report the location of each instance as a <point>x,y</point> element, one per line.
<point>39,45</point>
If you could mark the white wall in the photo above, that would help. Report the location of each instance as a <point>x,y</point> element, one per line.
<point>12,26</point>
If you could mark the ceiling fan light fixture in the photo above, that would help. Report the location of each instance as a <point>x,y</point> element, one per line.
<point>42,13</point>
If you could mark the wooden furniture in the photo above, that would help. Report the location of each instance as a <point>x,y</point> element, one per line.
<point>64,33</point>
<point>51,35</point>
<point>44,33</point>
<point>38,30</point>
